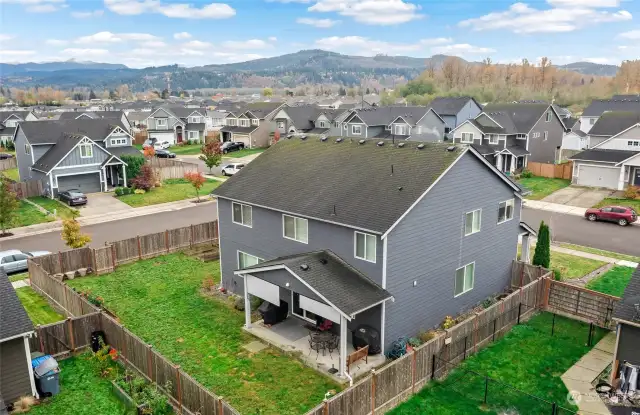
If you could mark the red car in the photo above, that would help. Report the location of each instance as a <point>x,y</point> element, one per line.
<point>619,214</point>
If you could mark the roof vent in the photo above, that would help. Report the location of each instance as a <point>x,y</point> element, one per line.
<point>323,138</point>
<point>401,145</point>
<point>400,188</point>
<point>451,148</point>
<point>420,146</point>
<point>324,261</point>
<point>339,140</point>
<point>304,267</point>
<point>303,137</point>
<point>380,143</point>
<point>361,142</point>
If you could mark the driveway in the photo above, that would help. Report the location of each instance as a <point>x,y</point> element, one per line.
<point>578,196</point>
<point>102,203</point>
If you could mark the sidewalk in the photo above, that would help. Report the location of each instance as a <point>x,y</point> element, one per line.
<point>554,207</point>
<point>596,257</point>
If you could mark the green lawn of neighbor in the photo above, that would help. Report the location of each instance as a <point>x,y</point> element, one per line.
<point>172,190</point>
<point>29,215</point>
<point>610,201</point>
<point>542,186</point>
<point>37,307</point>
<point>570,266</point>
<point>601,252</point>
<point>612,282</point>
<point>11,174</point>
<point>160,300</point>
<point>18,277</point>
<point>528,359</point>
<point>186,149</point>
<point>244,153</point>
<point>82,392</point>
<point>63,211</point>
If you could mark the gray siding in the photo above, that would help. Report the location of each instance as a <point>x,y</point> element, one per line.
<point>546,151</point>
<point>430,128</point>
<point>469,111</point>
<point>74,157</point>
<point>594,140</point>
<point>428,245</point>
<point>23,160</point>
<point>450,120</point>
<point>39,151</point>
<point>14,373</point>
<point>108,143</point>
<point>628,344</point>
<point>172,121</point>
<point>265,241</point>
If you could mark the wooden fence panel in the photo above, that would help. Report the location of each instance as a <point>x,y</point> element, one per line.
<point>196,398</point>
<point>7,164</point>
<point>113,333</point>
<point>55,338</point>
<point>83,327</point>
<point>581,303</point>
<point>137,353</point>
<point>153,245</point>
<point>126,250</point>
<point>394,380</point>
<point>553,171</point>
<point>50,263</point>
<point>75,259</point>
<point>204,232</point>
<point>424,360</point>
<point>179,238</point>
<point>318,410</point>
<point>228,409</point>
<point>104,260</point>
<point>355,401</point>
<point>27,189</point>
<point>523,273</point>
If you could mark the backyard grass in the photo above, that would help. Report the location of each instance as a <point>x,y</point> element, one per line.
<point>62,211</point>
<point>18,277</point>
<point>186,149</point>
<point>612,282</point>
<point>37,308</point>
<point>570,266</point>
<point>12,174</point>
<point>542,187</point>
<point>528,358</point>
<point>138,146</point>
<point>29,215</point>
<point>244,153</point>
<point>82,392</point>
<point>160,300</point>
<point>611,201</point>
<point>601,252</point>
<point>172,190</point>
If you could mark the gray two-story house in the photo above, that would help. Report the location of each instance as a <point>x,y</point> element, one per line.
<point>174,124</point>
<point>307,119</point>
<point>252,124</point>
<point>110,115</point>
<point>456,110</point>
<point>388,234</point>
<point>9,121</point>
<point>79,154</point>
<point>598,107</point>
<point>511,135</point>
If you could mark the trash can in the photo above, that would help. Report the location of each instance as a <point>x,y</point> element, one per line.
<point>46,373</point>
<point>97,337</point>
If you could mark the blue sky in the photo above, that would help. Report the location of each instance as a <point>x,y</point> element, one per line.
<point>142,33</point>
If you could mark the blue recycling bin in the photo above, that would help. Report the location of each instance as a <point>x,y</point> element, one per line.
<point>47,375</point>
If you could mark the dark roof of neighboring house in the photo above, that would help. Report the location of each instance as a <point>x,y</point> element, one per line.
<point>302,116</point>
<point>243,130</point>
<point>262,109</point>
<point>341,284</point>
<point>516,118</point>
<point>579,132</point>
<point>625,309</point>
<point>72,115</point>
<point>6,114</point>
<point>451,105</point>
<point>611,156</point>
<point>599,106</point>
<point>4,130</point>
<point>329,185</point>
<point>183,112</point>
<point>484,150</point>
<point>138,115</point>
<point>487,130</point>
<point>195,126</point>
<point>612,123</point>
<point>570,122</point>
<point>120,151</point>
<point>13,318</point>
<point>386,115</point>
<point>49,132</point>
<point>517,151</point>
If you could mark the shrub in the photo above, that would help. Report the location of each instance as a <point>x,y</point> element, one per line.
<point>557,275</point>
<point>448,322</point>
<point>119,191</point>
<point>145,179</point>
<point>139,191</point>
<point>255,302</point>
<point>425,336</point>
<point>542,254</point>
<point>526,174</point>
<point>631,192</point>
<point>414,342</point>
<point>208,284</point>
<point>134,164</point>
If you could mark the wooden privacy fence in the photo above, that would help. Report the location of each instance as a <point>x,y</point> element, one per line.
<point>580,303</point>
<point>171,169</point>
<point>7,164</point>
<point>523,273</point>
<point>553,171</point>
<point>27,189</point>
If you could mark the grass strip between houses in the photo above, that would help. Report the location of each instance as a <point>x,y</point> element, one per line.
<point>612,282</point>
<point>542,187</point>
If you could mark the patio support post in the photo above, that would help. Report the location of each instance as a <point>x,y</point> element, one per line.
<point>247,304</point>
<point>526,249</point>
<point>343,345</point>
<point>124,174</point>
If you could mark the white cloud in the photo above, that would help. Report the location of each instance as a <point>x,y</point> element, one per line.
<point>4,37</point>
<point>320,23</point>
<point>197,44</point>
<point>521,18</point>
<point>436,41</point>
<point>604,61</point>
<point>632,34</point>
<point>153,44</point>
<point>182,35</point>
<point>176,10</point>
<point>56,42</point>
<point>272,39</point>
<point>191,52</point>
<point>87,15</point>
<point>584,3</point>
<point>462,49</point>
<point>368,47</point>
<point>373,12</point>
<point>246,44</point>
<point>39,6</point>
<point>108,37</point>
<point>13,55</point>
<point>84,53</point>
<point>290,1</point>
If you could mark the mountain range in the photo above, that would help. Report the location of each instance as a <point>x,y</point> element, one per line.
<point>303,67</point>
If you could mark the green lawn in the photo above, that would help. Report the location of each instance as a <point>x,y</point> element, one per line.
<point>138,146</point>
<point>186,149</point>
<point>244,153</point>
<point>82,392</point>
<point>601,252</point>
<point>542,186</point>
<point>63,211</point>
<point>37,307</point>
<point>18,277</point>
<point>612,282</point>
<point>30,215</point>
<point>570,266</point>
<point>171,191</point>
<point>609,201</point>
<point>159,300</point>
<point>527,358</point>
<point>11,174</point>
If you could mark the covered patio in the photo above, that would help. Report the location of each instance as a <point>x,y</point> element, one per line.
<point>320,306</point>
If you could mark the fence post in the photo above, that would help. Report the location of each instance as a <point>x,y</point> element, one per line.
<point>413,371</point>
<point>72,340</point>
<point>191,236</point>
<point>113,256</point>
<point>220,407</point>
<point>578,302</point>
<point>139,249</point>
<point>95,261</point>
<point>589,339</point>
<point>66,302</point>
<point>179,387</point>
<point>493,338</point>
<point>519,311</point>
<point>373,391</point>
<point>553,408</point>
<point>433,366</point>
<point>39,331</point>
<point>486,388</point>
<point>546,294</point>
<point>166,240</point>
<point>60,262</point>
<point>325,408</point>
<point>149,360</point>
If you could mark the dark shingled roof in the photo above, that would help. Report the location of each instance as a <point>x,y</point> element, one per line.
<point>517,151</point>
<point>49,132</point>
<point>612,123</point>
<point>183,112</point>
<point>570,122</point>
<point>57,152</point>
<point>120,151</point>
<point>8,114</point>
<point>328,181</point>
<point>72,115</point>
<point>625,309</point>
<point>242,130</point>
<point>302,116</point>
<point>488,130</point>
<point>516,118</point>
<point>599,106</point>
<point>611,156</point>
<point>13,318</point>
<point>342,285</point>
<point>485,149</point>
<point>386,115</point>
<point>195,126</point>
<point>262,109</point>
<point>450,105</point>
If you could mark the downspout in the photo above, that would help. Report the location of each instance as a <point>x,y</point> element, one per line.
<point>350,378</point>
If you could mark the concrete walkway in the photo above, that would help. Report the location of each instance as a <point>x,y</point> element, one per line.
<point>596,257</point>
<point>554,207</point>
<point>579,377</point>
<point>20,284</point>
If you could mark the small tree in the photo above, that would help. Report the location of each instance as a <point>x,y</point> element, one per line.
<point>267,92</point>
<point>542,254</point>
<point>134,164</point>
<point>276,136</point>
<point>211,154</point>
<point>8,205</point>
<point>72,236</point>
<point>149,152</point>
<point>145,179</point>
<point>197,181</point>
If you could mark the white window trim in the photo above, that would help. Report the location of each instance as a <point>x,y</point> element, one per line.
<point>521,136</point>
<point>353,129</point>
<point>244,123</point>
<point>27,149</point>
<point>355,246</point>
<point>162,122</point>
<point>399,129</point>
<point>463,141</point>
<point>546,135</point>
<point>242,252</point>
<point>295,218</point>
<point>118,141</point>
<point>473,281</point>
<point>479,222</point>
<point>493,137</point>
<point>255,121</point>
<point>513,208</point>
<point>322,124</point>
<point>241,214</point>
<point>192,138</point>
<point>548,117</point>
<point>89,153</point>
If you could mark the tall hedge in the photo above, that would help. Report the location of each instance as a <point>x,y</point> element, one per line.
<point>542,254</point>
<point>134,163</point>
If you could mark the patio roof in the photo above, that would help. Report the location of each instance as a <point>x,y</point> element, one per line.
<point>335,281</point>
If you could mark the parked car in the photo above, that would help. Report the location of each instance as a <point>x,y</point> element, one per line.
<point>16,261</point>
<point>161,146</point>
<point>231,169</point>
<point>73,197</point>
<point>4,156</point>
<point>618,214</point>
<point>148,142</point>
<point>166,154</point>
<point>229,146</point>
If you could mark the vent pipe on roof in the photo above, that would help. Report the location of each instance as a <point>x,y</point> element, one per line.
<point>392,169</point>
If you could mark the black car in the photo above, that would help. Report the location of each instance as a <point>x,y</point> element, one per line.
<point>73,197</point>
<point>166,154</point>
<point>229,146</point>
<point>4,156</point>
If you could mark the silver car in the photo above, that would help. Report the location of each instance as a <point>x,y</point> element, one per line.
<point>16,261</point>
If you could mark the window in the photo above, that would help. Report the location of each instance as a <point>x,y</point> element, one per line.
<point>86,151</point>
<point>505,210</point>
<point>447,130</point>
<point>255,121</point>
<point>118,141</point>
<point>11,123</point>
<point>521,137</point>
<point>295,228</point>
<point>27,149</point>
<point>546,135</point>
<point>242,214</point>
<point>467,138</point>
<point>244,123</point>
<point>356,129</point>
<point>401,129</point>
<point>548,117</point>
<point>345,126</point>
<point>472,222</point>
<point>592,121</point>
<point>365,247</point>
<point>493,139</point>
<point>161,122</point>
<point>231,122</point>
<point>465,277</point>
<point>322,124</point>
<point>280,125</point>
<point>194,119</point>
<point>633,143</point>
<point>246,260</point>
<point>193,135</point>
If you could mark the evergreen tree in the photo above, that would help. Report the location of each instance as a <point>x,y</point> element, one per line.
<point>92,95</point>
<point>368,91</point>
<point>542,254</point>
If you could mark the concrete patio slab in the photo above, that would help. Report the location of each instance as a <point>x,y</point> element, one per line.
<point>255,346</point>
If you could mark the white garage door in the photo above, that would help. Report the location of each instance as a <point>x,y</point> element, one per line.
<point>242,138</point>
<point>598,176</point>
<point>161,137</point>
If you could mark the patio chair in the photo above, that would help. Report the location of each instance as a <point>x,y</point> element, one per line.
<point>333,344</point>
<point>315,345</point>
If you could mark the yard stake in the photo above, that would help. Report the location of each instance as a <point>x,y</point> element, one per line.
<point>486,388</point>
<point>71,336</point>
<point>433,366</point>
<point>220,407</point>
<point>373,391</point>
<point>464,352</point>
<point>553,324</point>
<point>179,387</point>
<point>519,311</point>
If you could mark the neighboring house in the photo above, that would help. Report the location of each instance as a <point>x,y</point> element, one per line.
<point>252,125</point>
<point>306,119</point>
<point>512,135</point>
<point>79,154</point>
<point>16,374</point>
<point>138,119</point>
<point>574,138</point>
<point>594,111</point>
<point>401,123</point>
<point>176,124</point>
<point>389,234</point>
<point>614,161</point>
<point>627,316</point>
<point>109,115</point>
<point>456,110</point>
<point>215,120</point>
<point>9,121</point>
